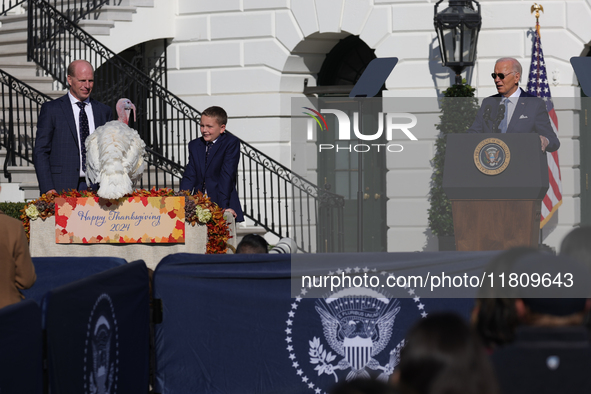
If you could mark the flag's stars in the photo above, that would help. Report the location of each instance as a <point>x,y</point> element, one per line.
<point>291,356</point>
<point>305,379</point>
<point>304,291</point>
<point>291,314</point>
<point>289,322</point>
<point>416,299</point>
<point>290,348</point>
<point>294,305</point>
<point>288,339</point>
<point>339,271</point>
<point>383,273</point>
<point>421,306</point>
<point>298,299</point>
<point>300,372</point>
<point>365,269</point>
<point>295,364</point>
<point>348,270</point>
<point>424,314</point>
<point>357,269</point>
<point>317,391</point>
<point>411,291</point>
<point>311,385</point>
<point>288,330</point>
<point>331,273</point>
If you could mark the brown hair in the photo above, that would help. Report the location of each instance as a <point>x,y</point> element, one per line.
<point>218,113</point>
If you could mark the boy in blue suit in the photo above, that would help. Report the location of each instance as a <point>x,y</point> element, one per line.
<point>213,163</point>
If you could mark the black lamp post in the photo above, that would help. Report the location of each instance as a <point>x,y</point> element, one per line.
<point>457,31</point>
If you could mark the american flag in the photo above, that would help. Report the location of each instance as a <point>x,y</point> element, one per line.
<point>537,85</point>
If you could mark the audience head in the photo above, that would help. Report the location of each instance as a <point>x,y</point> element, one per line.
<point>540,305</point>
<point>577,244</point>
<point>443,355</point>
<point>252,243</point>
<point>494,316</point>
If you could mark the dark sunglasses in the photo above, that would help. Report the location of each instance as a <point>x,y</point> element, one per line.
<point>500,75</point>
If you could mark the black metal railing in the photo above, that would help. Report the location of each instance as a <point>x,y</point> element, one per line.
<point>20,106</point>
<point>165,122</point>
<point>8,5</point>
<point>75,10</point>
<point>288,205</point>
<point>273,196</point>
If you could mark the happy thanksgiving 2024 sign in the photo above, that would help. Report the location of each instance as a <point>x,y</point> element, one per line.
<point>90,220</point>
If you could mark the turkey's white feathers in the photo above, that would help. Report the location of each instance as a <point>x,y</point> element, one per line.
<point>115,159</point>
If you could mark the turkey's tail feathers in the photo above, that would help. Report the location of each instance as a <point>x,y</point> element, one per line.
<point>93,165</point>
<point>121,159</point>
<point>115,186</point>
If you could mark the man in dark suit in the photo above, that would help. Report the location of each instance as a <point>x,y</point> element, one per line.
<point>513,110</point>
<point>59,153</point>
<point>213,162</point>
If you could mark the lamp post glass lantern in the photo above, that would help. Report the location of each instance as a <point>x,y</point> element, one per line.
<point>457,32</point>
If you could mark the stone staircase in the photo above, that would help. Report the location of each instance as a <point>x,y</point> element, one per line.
<point>13,60</point>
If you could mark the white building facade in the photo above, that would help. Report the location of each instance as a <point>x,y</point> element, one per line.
<point>253,56</point>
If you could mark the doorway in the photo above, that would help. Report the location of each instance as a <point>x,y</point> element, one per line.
<point>338,168</point>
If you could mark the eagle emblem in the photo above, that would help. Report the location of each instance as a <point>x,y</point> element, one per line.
<point>492,156</point>
<point>101,376</point>
<point>357,327</point>
<point>101,350</point>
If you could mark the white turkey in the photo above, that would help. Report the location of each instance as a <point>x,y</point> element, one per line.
<point>115,155</point>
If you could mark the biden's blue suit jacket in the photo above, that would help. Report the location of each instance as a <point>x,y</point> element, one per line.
<point>219,174</point>
<point>56,154</point>
<point>530,116</point>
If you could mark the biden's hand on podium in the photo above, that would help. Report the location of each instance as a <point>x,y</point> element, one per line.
<point>545,143</point>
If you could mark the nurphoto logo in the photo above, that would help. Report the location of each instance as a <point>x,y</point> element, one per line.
<point>394,122</point>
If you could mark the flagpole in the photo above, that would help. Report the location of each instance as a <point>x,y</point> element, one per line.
<point>538,85</point>
<point>537,8</point>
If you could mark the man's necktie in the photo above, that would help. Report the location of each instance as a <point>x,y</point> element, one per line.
<point>504,123</point>
<point>84,132</point>
<point>207,147</point>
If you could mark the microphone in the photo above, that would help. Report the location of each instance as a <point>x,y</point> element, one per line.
<point>499,119</point>
<point>487,112</point>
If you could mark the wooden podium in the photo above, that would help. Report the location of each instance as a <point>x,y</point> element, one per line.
<point>495,206</point>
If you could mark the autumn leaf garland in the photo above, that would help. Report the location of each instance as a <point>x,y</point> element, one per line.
<point>199,209</point>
